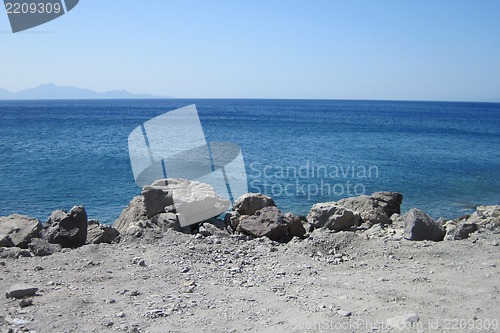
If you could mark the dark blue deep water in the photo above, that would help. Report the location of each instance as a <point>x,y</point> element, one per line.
<point>443,157</point>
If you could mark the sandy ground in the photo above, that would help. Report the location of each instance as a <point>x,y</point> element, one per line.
<point>329,282</point>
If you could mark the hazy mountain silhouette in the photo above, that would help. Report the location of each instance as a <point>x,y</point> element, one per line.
<point>5,94</point>
<point>52,91</point>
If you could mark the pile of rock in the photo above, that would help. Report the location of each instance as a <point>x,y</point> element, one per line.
<point>362,211</point>
<point>256,215</point>
<point>485,218</point>
<point>253,215</point>
<point>25,236</point>
<point>154,212</point>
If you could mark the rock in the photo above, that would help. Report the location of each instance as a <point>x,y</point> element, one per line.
<point>344,313</point>
<point>5,241</point>
<point>249,203</point>
<point>18,230</point>
<point>194,201</point>
<point>374,209</point>
<point>403,322</point>
<point>295,226</point>
<point>134,212</point>
<point>420,226</point>
<point>139,261</point>
<point>17,322</point>
<point>67,229</point>
<point>165,221</point>
<point>397,220</point>
<point>233,219</point>
<point>461,231</point>
<point>13,252</point>
<point>156,209</point>
<point>41,248</point>
<point>213,227</point>
<point>485,217</point>
<point>267,221</point>
<point>389,201</point>
<point>156,198</point>
<point>21,291</point>
<point>331,216</point>
<point>98,233</point>
<point>26,302</point>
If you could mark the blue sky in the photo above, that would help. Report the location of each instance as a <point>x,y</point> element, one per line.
<point>402,49</point>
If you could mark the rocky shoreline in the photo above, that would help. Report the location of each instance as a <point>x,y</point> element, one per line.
<point>256,259</point>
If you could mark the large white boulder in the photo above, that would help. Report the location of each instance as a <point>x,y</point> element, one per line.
<point>193,201</point>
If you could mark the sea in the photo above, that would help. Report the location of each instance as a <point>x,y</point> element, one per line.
<point>444,157</point>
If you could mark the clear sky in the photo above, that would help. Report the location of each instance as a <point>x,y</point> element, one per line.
<point>338,49</point>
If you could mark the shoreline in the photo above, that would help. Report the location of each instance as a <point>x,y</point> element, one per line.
<point>365,269</point>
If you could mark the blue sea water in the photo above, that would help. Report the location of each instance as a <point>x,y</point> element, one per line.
<point>444,157</point>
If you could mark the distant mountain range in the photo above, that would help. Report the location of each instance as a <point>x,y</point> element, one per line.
<point>52,91</point>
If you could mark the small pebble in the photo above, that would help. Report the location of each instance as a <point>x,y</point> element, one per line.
<point>344,313</point>
<point>25,302</point>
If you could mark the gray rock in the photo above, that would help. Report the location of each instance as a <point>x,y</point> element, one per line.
<point>376,208</point>
<point>213,227</point>
<point>331,216</point>
<point>389,201</point>
<point>98,233</point>
<point>26,302</point>
<point>13,252</point>
<point>19,230</point>
<point>233,219</point>
<point>156,198</point>
<point>344,313</point>
<point>139,261</point>
<point>249,203</point>
<point>419,226</point>
<point>165,221</point>
<point>134,212</point>
<point>21,291</point>
<point>486,217</point>
<point>67,229</point>
<point>194,201</point>
<point>267,221</point>
<point>5,241</point>
<point>295,226</point>
<point>461,231</point>
<point>41,248</point>
<point>397,220</point>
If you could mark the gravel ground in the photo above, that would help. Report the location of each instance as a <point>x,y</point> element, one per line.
<point>328,282</point>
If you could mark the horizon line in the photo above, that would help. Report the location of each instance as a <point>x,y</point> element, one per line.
<point>248,98</point>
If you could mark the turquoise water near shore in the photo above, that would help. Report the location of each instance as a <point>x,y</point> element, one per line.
<point>443,156</point>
